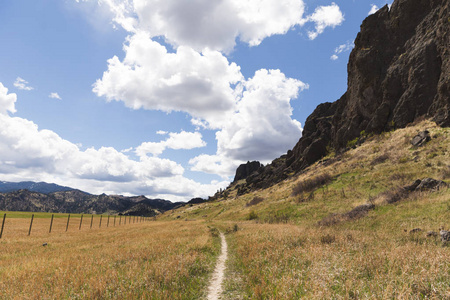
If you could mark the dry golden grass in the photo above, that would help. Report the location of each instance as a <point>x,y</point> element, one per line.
<point>152,260</point>
<point>285,254</point>
<point>288,262</point>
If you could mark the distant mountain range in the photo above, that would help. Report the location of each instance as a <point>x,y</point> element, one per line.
<point>49,197</point>
<point>40,187</point>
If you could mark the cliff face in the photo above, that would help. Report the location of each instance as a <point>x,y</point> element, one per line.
<point>397,72</point>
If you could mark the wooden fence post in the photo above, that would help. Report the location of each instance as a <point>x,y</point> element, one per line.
<point>120,219</point>
<point>31,224</point>
<point>100,221</point>
<point>51,223</point>
<point>114,221</point>
<point>81,221</point>
<point>125,218</point>
<point>92,220</point>
<point>68,219</point>
<point>3,224</point>
<point>107,224</point>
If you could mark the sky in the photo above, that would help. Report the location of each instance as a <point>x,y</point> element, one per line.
<point>164,98</point>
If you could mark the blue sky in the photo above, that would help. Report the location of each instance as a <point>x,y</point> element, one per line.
<point>163,98</point>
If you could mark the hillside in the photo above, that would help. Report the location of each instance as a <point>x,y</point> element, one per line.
<point>368,173</point>
<point>40,187</point>
<point>397,72</point>
<point>75,201</point>
<point>353,225</point>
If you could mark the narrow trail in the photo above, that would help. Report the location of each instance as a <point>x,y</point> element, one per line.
<point>215,286</point>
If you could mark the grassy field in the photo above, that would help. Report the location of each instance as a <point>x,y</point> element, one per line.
<point>151,260</point>
<point>305,237</point>
<point>307,244</point>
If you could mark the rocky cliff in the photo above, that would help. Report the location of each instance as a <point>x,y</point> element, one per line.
<point>397,72</point>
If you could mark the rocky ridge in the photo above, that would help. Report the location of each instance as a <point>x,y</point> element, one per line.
<point>398,72</point>
<point>76,201</point>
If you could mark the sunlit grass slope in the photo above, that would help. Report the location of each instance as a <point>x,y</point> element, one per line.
<point>151,260</point>
<point>304,244</point>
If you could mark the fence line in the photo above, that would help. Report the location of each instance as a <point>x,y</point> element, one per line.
<point>136,219</point>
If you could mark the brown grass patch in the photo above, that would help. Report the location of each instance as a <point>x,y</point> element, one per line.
<point>311,184</point>
<point>254,201</point>
<point>356,213</point>
<point>152,260</point>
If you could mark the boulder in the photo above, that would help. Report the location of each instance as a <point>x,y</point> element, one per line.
<point>430,184</point>
<point>421,138</point>
<point>445,236</point>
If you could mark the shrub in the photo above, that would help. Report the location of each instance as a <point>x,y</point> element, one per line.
<point>311,184</point>
<point>379,160</point>
<point>277,218</point>
<point>252,215</point>
<point>352,143</point>
<point>255,201</point>
<point>445,173</point>
<point>396,195</point>
<point>214,232</point>
<point>327,239</point>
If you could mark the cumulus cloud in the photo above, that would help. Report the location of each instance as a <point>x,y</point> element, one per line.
<point>152,78</point>
<point>216,25</point>
<point>323,17</point>
<point>264,115</point>
<point>54,96</point>
<point>342,48</point>
<point>373,9</point>
<point>183,140</point>
<point>197,78</point>
<point>7,101</point>
<point>22,84</point>
<point>30,153</point>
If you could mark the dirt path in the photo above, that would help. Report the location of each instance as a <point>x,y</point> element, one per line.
<point>215,286</point>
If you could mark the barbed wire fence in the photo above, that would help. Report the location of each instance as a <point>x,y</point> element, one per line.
<point>111,221</point>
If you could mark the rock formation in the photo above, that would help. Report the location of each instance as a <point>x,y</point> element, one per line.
<point>245,170</point>
<point>397,72</point>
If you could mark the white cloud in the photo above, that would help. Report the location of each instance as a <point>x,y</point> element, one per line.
<point>7,101</point>
<point>161,132</point>
<point>149,77</point>
<point>216,25</point>
<point>183,140</point>
<point>323,17</point>
<point>54,96</point>
<point>22,84</point>
<point>373,9</point>
<point>342,48</point>
<point>197,78</point>
<point>263,116</point>
<point>203,24</point>
<point>30,153</point>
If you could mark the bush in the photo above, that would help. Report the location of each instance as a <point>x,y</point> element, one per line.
<point>311,184</point>
<point>379,160</point>
<point>395,195</point>
<point>328,239</point>
<point>255,201</point>
<point>252,215</point>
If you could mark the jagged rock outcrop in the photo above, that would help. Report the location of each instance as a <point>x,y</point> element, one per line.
<point>397,73</point>
<point>245,170</point>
